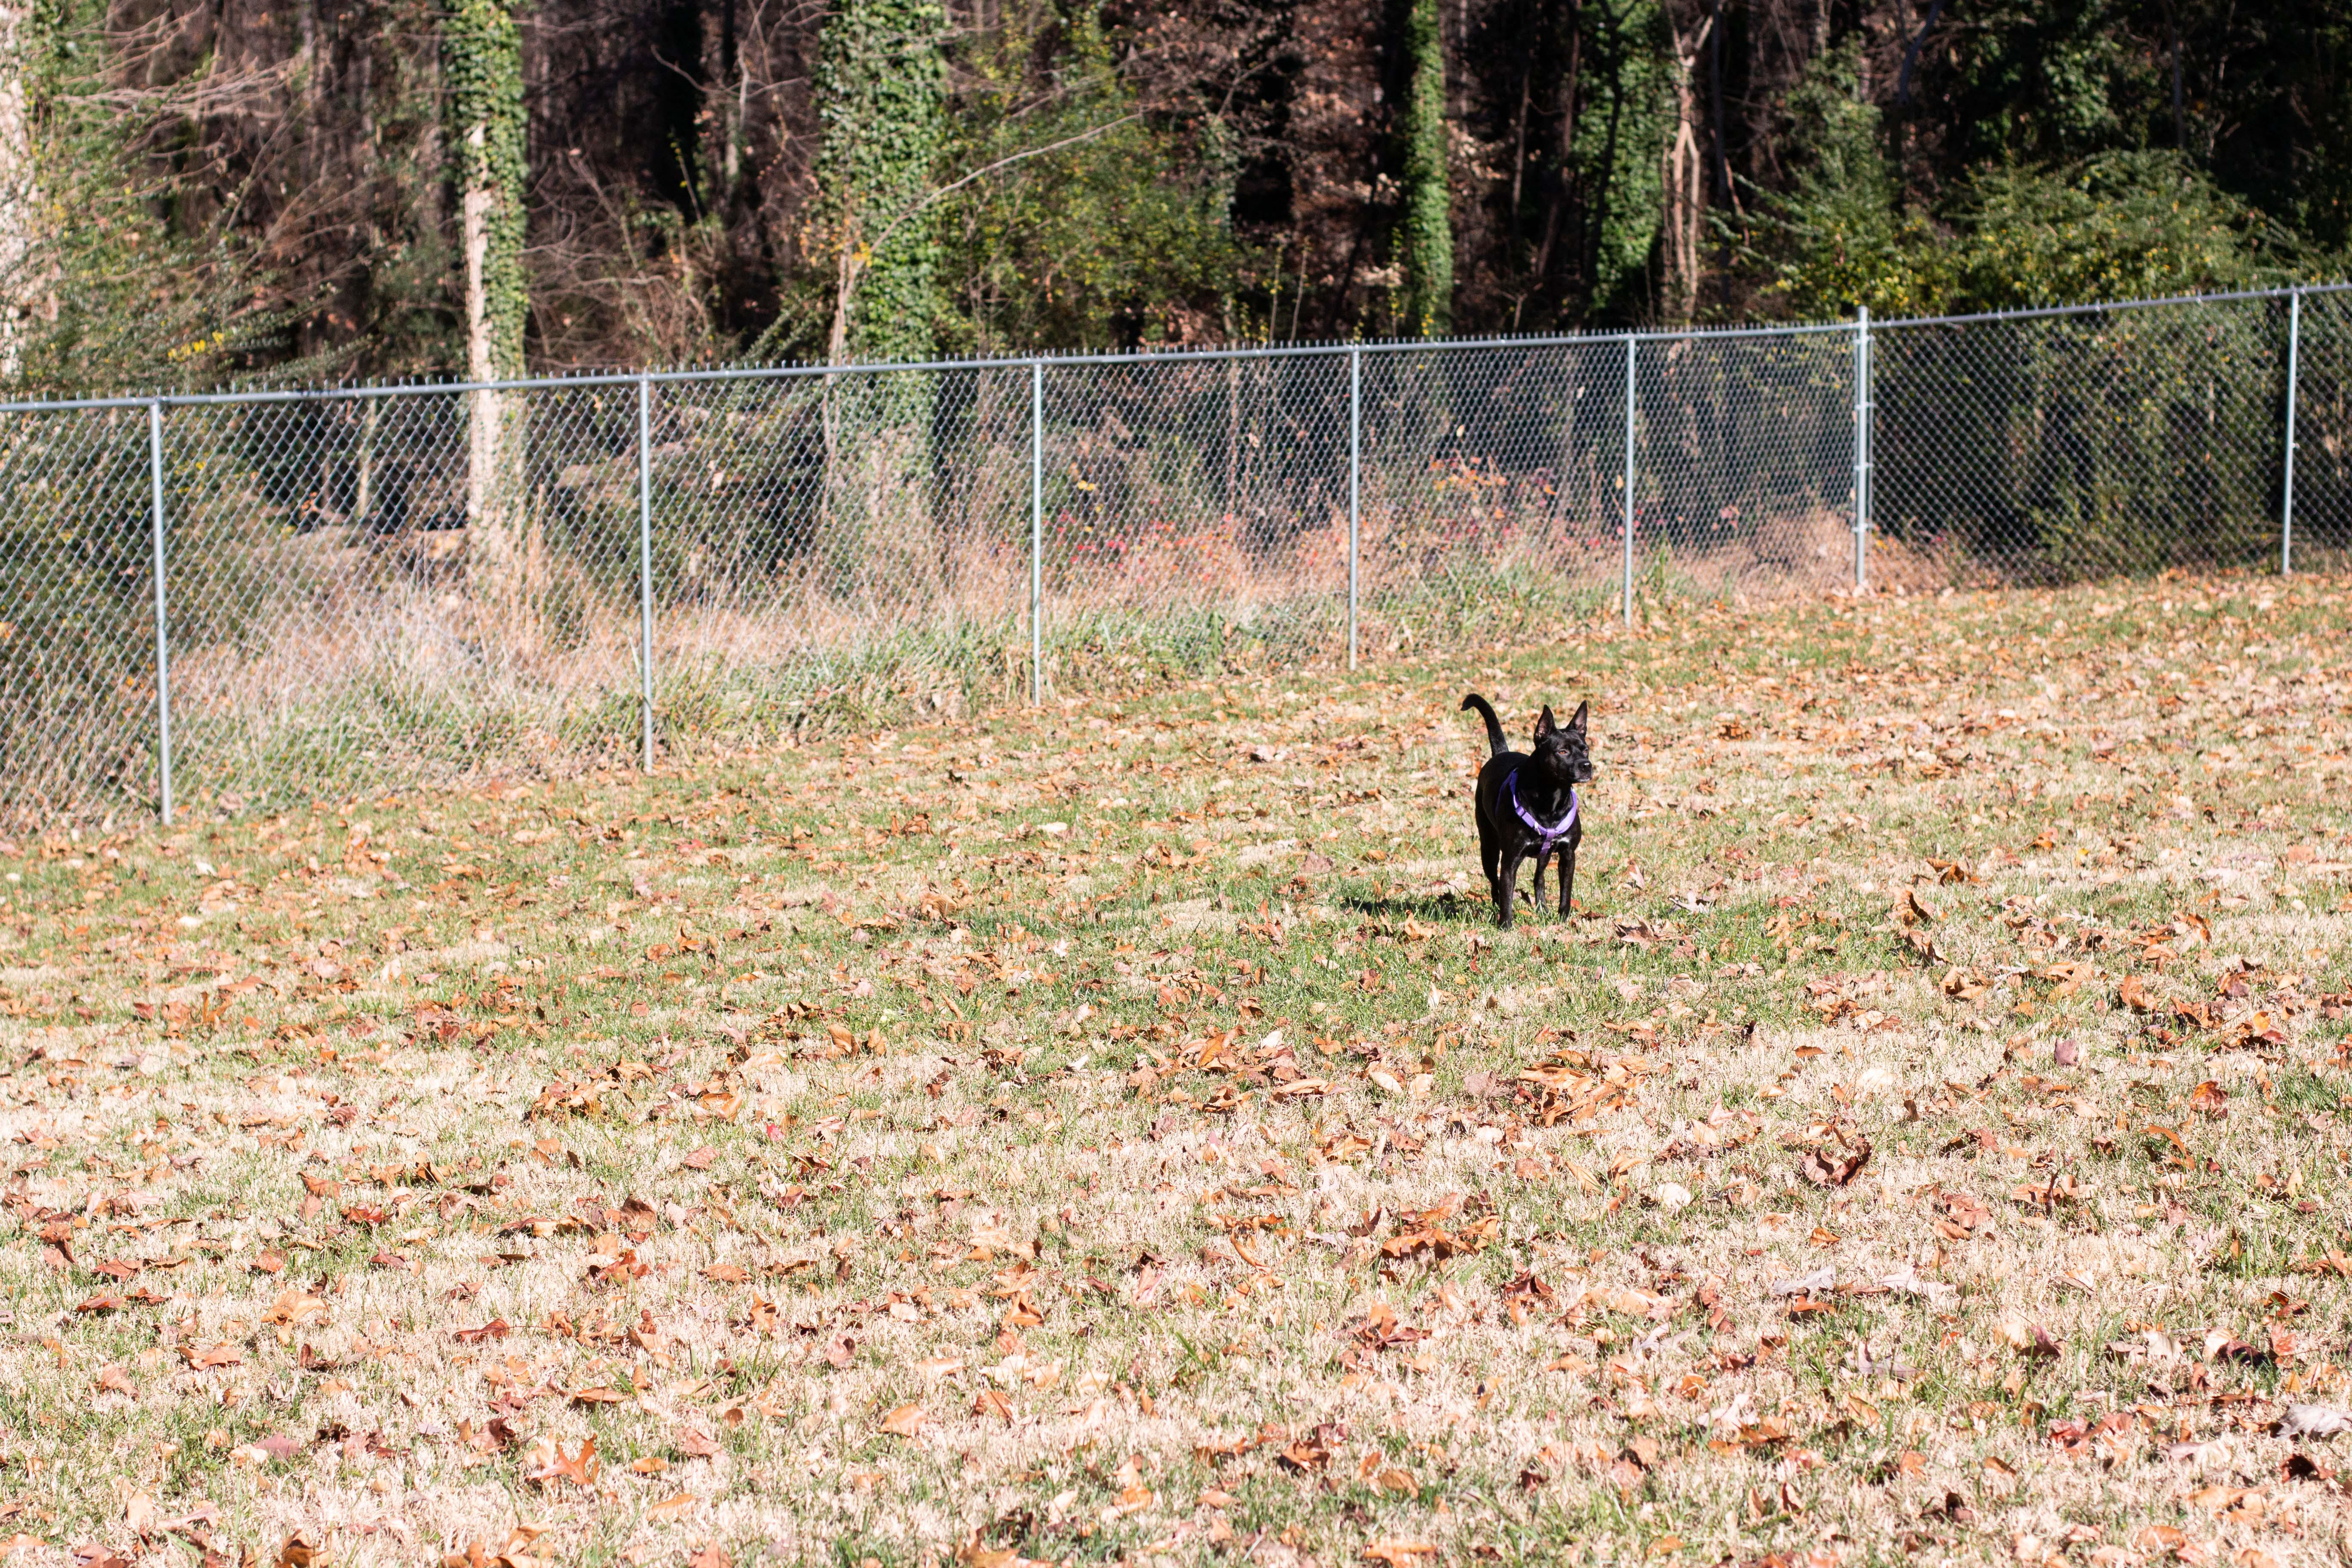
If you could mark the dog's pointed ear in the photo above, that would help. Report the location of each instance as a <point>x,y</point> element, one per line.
<point>1576,724</point>
<point>1544,725</point>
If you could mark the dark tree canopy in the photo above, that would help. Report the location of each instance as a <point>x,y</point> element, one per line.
<point>1009,174</point>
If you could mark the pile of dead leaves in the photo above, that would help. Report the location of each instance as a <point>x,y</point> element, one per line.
<point>1421,1232</point>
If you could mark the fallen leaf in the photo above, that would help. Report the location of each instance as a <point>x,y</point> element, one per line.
<point>578,1467</point>
<point>1837,1173</point>
<point>294,1308</point>
<point>905,1421</point>
<point>1820,1280</point>
<point>672,1507</point>
<point>2313,1421</point>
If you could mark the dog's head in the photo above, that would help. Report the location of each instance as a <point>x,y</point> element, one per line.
<point>1561,752</point>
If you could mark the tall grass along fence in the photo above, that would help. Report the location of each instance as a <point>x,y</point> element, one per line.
<point>249,595</point>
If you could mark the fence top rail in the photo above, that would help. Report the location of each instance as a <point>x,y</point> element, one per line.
<point>1131,360</point>
<point>2109,307</point>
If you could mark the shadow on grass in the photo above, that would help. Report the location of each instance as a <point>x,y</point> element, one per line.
<point>1447,906</point>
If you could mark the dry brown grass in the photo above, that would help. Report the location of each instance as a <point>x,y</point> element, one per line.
<point>1118,1133</point>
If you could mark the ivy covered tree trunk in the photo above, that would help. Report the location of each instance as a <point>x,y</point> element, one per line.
<point>1428,248</point>
<point>481,50</point>
<point>20,193</point>
<point>881,91</point>
<point>881,85</point>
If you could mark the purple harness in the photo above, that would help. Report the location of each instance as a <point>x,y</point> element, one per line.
<point>1550,833</point>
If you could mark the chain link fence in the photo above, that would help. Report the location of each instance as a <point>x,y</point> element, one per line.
<point>243,599</point>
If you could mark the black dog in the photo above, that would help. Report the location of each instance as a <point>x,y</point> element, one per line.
<point>1527,804</point>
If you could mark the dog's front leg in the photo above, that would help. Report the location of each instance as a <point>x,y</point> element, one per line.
<point>1535,891</point>
<point>1567,879</point>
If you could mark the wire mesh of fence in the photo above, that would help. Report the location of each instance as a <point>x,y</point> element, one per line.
<point>245,598</point>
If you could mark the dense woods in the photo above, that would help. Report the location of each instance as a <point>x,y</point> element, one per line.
<point>192,190</point>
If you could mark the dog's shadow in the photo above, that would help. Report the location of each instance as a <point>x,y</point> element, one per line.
<point>1424,906</point>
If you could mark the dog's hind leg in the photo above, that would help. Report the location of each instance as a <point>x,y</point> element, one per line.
<point>1489,852</point>
<point>1506,887</point>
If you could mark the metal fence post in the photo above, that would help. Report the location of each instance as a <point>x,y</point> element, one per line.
<point>1036,532</point>
<point>162,620</point>
<point>1630,341</point>
<point>645,562</point>
<point>1865,414</point>
<point>1355,483</point>
<point>2287,505</point>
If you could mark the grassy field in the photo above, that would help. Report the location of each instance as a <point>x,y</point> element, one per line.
<point>1117,1131</point>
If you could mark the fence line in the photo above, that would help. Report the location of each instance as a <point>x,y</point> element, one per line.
<point>341,588</point>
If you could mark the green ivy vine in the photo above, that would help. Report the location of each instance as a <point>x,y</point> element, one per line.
<point>881,88</point>
<point>1428,227</point>
<point>481,49</point>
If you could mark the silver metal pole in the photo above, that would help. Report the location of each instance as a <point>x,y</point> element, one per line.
<point>2286,507</point>
<point>1036,532</point>
<point>162,619</point>
<point>646,563</point>
<point>1864,409</point>
<point>1630,342</point>
<point>1355,483</point>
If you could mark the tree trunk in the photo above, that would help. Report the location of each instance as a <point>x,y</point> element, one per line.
<point>881,91</point>
<point>20,196</point>
<point>881,85</point>
<point>1686,182</point>
<point>482,54</point>
<point>1428,246</point>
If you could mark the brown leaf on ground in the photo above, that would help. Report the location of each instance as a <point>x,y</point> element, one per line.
<point>905,1421</point>
<point>1962,1215</point>
<point>1837,1173</point>
<point>580,1466</point>
<point>300,1551</point>
<point>294,1308</point>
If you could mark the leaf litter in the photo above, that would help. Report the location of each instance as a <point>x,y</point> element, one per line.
<point>712,1165</point>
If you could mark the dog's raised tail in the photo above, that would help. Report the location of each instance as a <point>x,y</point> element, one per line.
<point>1495,744</point>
